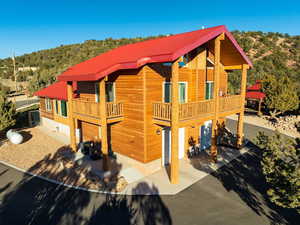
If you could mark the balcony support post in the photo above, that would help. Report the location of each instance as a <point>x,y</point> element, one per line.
<point>70,115</point>
<point>174,167</point>
<point>240,125</point>
<point>103,119</point>
<point>217,69</point>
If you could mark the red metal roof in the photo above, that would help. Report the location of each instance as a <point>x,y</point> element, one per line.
<point>57,90</point>
<point>255,95</point>
<point>133,56</point>
<point>255,87</point>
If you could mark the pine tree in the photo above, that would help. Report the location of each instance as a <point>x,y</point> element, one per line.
<point>281,167</point>
<point>7,112</point>
<point>281,94</point>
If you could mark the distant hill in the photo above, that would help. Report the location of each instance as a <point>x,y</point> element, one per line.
<point>271,53</point>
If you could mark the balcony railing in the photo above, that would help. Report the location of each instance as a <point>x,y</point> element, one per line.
<point>230,103</point>
<point>162,111</point>
<point>89,108</point>
<point>194,110</point>
<point>114,109</point>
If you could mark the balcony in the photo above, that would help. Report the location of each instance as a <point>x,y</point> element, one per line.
<point>205,109</point>
<point>84,110</point>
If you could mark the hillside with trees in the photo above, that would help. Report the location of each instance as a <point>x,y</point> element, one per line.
<point>271,53</point>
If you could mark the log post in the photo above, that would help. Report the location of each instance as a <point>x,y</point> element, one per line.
<point>174,167</point>
<point>240,125</point>
<point>259,106</point>
<point>217,69</point>
<point>71,118</point>
<point>104,144</point>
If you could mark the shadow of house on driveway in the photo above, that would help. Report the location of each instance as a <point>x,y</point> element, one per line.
<point>35,201</point>
<point>244,176</point>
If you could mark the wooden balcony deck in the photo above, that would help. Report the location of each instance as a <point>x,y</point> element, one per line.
<point>84,109</point>
<point>162,112</point>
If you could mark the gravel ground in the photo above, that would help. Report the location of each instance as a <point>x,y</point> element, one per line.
<point>258,121</point>
<point>42,155</point>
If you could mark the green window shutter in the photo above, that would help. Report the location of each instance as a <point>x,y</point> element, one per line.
<point>63,106</point>
<point>167,92</point>
<point>110,92</point>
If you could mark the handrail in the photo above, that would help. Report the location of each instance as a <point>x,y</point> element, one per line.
<point>90,108</point>
<point>193,110</point>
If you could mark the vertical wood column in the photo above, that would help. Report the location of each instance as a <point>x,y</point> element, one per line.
<point>174,170</point>
<point>104,144</point>
<point>71,119</point>
<point>240,125</point>
<point>259,106</point>
<point>217,69</point>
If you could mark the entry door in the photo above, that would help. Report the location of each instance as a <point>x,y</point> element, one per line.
<point>205,132</point>
<point>166,145</point>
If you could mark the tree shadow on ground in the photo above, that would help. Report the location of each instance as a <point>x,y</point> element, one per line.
<point>36,201</point>
<point>146,209</point>
<point>244,176</point>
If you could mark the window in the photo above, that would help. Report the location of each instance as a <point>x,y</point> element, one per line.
<point>97,97</point>
<point>56,107</point>
<point>110,91</point>
<point>48,104</point>
<point>167,92</point>
<point>63,107</point>
<point>209,90</point>
<point>182,92</point>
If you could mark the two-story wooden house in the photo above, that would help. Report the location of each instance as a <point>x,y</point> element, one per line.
<point>150,99</point>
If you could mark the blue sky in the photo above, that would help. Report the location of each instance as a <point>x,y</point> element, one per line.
<point>30,25</point>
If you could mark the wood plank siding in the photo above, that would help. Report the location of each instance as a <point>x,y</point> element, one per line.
<point>127,137</point>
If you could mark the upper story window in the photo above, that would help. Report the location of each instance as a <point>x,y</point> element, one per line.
<point>209,89</point>
<point>48,104</point>
<point>61,108</point>
<point>182,92</point>
<point>110,92</point>
<point>97,92</point>
<point>64,108</point>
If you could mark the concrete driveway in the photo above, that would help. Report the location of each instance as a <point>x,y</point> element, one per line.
<point>235,194</point>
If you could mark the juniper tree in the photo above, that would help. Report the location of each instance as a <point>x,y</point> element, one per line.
<point>7,112</point>
<point>281,94</point>
<point>281,167</point>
